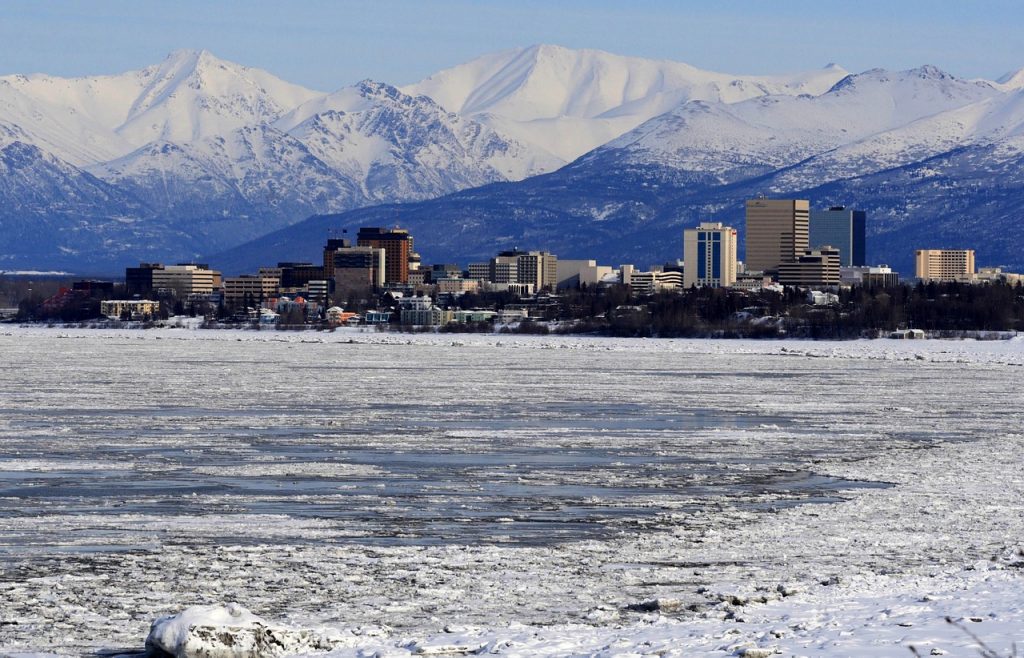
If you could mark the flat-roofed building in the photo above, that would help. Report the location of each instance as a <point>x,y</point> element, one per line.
<point>709,255</point>
<point>398,250</point>
<point>843,229</point>
<point>295,277</point>
<point>139,280</point>
<point>248,290</point>
<point>535,268</point>
<point>358,270</point>
<point>479,271</point>
<point>420,311</point>
<point>136,309</point>
<point>444,271</point>
<point>185,279</point>
<point>456,285</point>
<point>577,273</point>
<point>996,274</point>
<point>776,232</point>
<point>333,244</point>
<point>815,268</point>
<point>650,282</point>
<point>944,264</point>
<point>880,276</point>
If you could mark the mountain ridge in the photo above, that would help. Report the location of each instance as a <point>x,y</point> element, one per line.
<point>196,155</point>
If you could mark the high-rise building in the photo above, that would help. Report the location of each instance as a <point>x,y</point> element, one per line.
<point>295,277</point>
<point>535,268</point>
<point>358,269</point>
<point>776,232</point>
<point>398,250</point>
<point>709,255</point>
<point>841,228</point>
<point>185,279</point>
<point>333,244</point>
<point>139,280</point>
<point>814,268</point>
<point>944,264</point>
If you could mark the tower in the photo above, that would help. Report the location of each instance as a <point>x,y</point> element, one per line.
<point>843,229</point>
<point>776,232</point>
<point>709,255</point>
<point>397,246</point>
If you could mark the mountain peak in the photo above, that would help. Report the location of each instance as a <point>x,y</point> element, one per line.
<point>1012,80</point>
<point>930,72</point>
<point>185,59</point>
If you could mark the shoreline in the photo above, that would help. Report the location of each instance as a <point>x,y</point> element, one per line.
<point>507,332</point>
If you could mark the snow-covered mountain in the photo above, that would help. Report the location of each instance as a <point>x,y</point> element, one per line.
<point>756,136</point>
<point>403,147</point>
<point>934,159</point>
<point>188,96</point>
<point>196,154</point>
<point>232,152</point>
<point>571,101</point>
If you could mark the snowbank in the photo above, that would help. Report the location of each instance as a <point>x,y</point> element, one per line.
<point>228,631</point>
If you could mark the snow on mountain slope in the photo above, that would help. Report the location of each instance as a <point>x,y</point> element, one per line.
<point>997,120</point>
<point>64,128</point>
<point>188,96</point>
<point>583,98</point>
<point>1011,81</point>
<point>250,172</point>
<point>770,132</point>
<point>33,182</point>
<point>403,147</point>
<point>193,95</point>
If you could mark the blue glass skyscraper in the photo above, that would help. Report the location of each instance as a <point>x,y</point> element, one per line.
<point>843,229</point>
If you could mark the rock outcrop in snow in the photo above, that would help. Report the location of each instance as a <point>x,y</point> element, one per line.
<point>228,631</point>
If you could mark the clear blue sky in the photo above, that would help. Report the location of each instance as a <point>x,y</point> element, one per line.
<point>326,44</point>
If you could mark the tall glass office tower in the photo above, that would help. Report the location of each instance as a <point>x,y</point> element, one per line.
<point>843,229</point>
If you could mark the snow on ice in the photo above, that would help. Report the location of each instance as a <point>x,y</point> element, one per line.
<point>534,496</point>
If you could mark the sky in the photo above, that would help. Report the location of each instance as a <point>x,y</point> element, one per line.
<point>327,44</point>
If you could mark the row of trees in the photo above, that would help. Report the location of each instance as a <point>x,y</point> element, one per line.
<point>858,311</point>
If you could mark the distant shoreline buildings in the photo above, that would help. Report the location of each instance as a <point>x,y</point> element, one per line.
<point>381,278</point>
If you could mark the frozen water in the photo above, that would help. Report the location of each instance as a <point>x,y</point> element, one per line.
<point>537,492</point>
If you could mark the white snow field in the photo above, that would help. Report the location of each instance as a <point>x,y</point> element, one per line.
<point>368,494</point>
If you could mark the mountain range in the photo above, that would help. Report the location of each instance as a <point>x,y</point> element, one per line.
<point>581,152</point>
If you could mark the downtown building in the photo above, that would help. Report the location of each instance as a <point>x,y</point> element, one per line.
<point>398,251</point>
<point>249,290</point>
<point>529,271</point>
<point>944,264</point>
<point>358,270</point>
<point>815,268</point>
<point>843,229</point>
<point>776,232</point>
<point>709,255</point>
<point>185,280</point>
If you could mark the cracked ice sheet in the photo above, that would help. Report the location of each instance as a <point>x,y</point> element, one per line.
<point>686,459</point>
